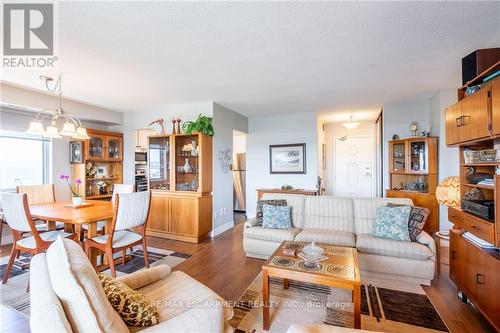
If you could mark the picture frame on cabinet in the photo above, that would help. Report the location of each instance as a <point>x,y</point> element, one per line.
<point>76,152</point>
<point>102,172</point>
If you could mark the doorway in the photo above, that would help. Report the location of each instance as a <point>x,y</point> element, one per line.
<point>353,166</point>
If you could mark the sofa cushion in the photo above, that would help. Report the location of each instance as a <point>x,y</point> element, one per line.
<point>260,204</point>
<point>134,308</point>
<point>386,247</point>
<point>296,201</point>
<point>340,238</point>
<point>365,211</point>
<point>276,217</point>
<point>273,235</point>
<point>76,285</point>
<point>329,213</point>
<point>392,223</point>
<point>418,218</point>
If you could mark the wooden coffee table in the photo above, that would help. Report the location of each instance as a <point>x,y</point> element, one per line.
<point>340,270</point>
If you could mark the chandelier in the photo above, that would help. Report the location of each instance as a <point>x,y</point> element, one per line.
<point>72,126</point>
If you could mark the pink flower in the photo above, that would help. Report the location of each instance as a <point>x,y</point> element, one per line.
<point>78,181</point>
<point>63,177</point>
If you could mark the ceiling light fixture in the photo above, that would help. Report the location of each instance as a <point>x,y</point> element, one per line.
<point>72,126</point>
<point>351,124</point>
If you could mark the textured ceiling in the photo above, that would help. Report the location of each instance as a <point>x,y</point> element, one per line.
<point>265,57</point>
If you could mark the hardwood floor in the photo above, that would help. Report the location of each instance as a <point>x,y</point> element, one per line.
<point>221,264</point>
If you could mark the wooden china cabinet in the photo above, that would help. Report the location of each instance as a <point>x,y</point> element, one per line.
<point>180,179</point>
<point>104,151</point>
<point>413,174</point>
<point>473,124</point>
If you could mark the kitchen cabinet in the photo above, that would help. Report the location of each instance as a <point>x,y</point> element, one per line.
<point>474,121</point>
<point>495,106</point>
<point>141,138</point>
<point>452,124</point>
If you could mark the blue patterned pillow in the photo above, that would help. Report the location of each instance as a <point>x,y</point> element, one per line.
<point>392,223</point>
<point>276,217</point>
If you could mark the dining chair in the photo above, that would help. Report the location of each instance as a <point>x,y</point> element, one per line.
<point>40,194</point>
<point>117,189</point>
<point>17,214</point>
<point>130,211</point>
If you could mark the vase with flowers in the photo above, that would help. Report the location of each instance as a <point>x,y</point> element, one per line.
<point>102,187</point>
<point>76,198</point>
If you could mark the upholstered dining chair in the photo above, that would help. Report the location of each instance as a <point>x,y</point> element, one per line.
<point>131,211</point>
<point>40,194</point>
<point>117,189</point>
<point>17,214</point>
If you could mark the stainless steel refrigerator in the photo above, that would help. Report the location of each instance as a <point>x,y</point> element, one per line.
<point>239,179</point>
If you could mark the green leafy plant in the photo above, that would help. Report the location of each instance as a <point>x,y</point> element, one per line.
<point>202,124</point>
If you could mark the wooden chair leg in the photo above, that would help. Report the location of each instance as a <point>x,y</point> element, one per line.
<point>82,234</point>
<point>124,254</point>
<point>145,252</point>
<point>109,254</point>
<point>12,258</point>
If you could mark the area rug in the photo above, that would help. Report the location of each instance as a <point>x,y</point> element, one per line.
<point>14,295</point>
<point>387,306</point>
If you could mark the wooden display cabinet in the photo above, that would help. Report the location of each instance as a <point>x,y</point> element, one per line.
<point>413,175</point>
<point>180,178</point>
<point>104,150</point>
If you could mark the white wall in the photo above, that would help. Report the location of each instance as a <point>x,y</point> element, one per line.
<point>397,119</point>
<point>282,129</point>
<point>337,130</point>
<point>225,122</point>
<point>448,158</point>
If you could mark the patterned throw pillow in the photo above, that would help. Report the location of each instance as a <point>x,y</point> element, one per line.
<point>392,223</point>
<point>135,309</point>
<point>417,220</point>
<point>261,203</point>
<point>276,217</point>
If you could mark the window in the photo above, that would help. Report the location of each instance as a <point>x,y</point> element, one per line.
<point>24,160</point>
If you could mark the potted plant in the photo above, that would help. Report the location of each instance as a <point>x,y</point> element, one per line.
<point>76,198</point>
<point>202,124</point>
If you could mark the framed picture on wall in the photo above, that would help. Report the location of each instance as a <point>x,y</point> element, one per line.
<point>76,152</point>
<point>290,158</point>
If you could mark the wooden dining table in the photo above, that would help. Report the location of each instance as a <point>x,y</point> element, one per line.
<point>73,218</point>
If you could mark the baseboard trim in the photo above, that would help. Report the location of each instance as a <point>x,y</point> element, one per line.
<point>219,230</point>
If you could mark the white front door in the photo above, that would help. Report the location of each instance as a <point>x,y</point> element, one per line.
<point>353,166</point>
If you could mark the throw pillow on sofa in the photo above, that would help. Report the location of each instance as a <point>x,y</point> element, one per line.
<point>392,223</point>
<point>417,220</point>
<point>276,217</point>
<point>135,309</point>
<point>261,203</point>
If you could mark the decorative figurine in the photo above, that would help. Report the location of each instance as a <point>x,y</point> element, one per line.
<point>178,126</point>
<point>395,137</point>
<point>173,126</point>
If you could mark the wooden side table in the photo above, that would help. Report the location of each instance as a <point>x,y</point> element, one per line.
<point>438,236</point>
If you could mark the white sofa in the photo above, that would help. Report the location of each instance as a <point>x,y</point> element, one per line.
<point>66,296</point>
<point>346,222</point>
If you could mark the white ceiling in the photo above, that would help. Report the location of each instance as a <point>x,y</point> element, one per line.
<point>260,58</point>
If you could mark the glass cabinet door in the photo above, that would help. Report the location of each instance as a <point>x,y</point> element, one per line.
<point>187,162</point>
<point>159,165</point>
<point>114,148</point>
<point>96,147</point>
<point>398,157</point>
<point>418,156</point>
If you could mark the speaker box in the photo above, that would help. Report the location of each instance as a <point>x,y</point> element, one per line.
<point>477,62</point>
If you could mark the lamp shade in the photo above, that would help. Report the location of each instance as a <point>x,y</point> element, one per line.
<point>52,132</point>
<point>81,133</point>
<point>68,129</point>
<point>448,192</point>
<point>36,127</point>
